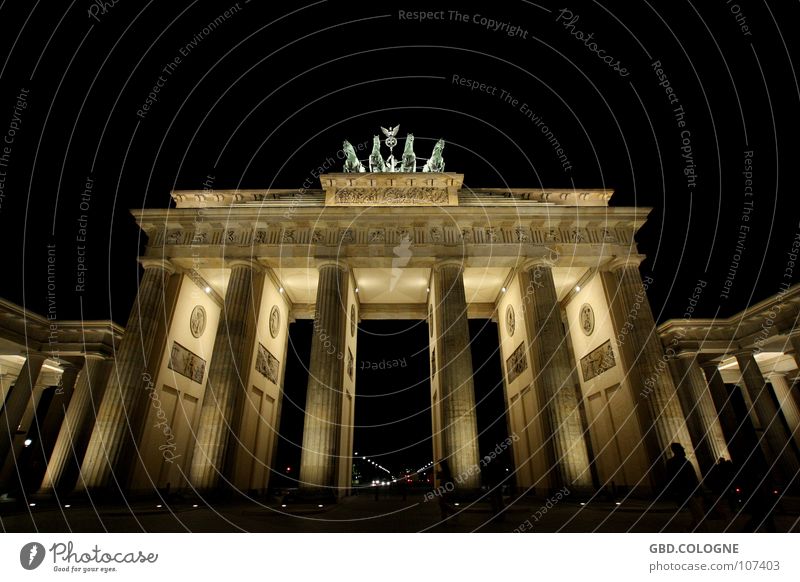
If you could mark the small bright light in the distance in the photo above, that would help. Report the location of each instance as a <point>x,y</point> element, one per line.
<point>503,289</point>
<point>28,442</point>
<point>208,289</point>
<point>577,288</point>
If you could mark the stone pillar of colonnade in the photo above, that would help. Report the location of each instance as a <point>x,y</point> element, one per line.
<point>6,381</point>
<point>109,455</point>
<point>323,452</point>
<point>16,404</point>
<point>794,340</point>
<point>459,426</point>
<point>50,424</point>
<point>772,437</point>
<point>721,398</point>
<point>556,393</point>
<point>231,359</point>
<point>788,404</point>
<point>701,414</point>
<point>654,391</point>
<point>78,422</point>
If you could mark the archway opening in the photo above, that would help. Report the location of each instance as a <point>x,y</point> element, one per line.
<point>393,432</point>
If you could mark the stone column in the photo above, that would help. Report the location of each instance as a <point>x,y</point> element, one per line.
<point>17,402</point>
<point>649,367</point>
<point>125,391</point>
<point>549,352</point>
<point>78,423</point>
<point>51,425</point>
<point>701,415</point>
<point>721,398</point>
<point>231,359</point>
<point>794,340</point>
<point>6,380</point>
<point>788,404</point>
<point>794,351</point>
<point>323,413</point>
<point>459,421</point>
<point>771,435</point>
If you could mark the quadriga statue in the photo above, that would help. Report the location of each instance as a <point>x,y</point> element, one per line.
<point>436,162</point>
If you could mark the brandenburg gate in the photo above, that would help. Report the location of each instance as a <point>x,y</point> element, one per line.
<point>194,396</point>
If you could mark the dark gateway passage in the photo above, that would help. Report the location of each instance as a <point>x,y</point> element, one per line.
<point>392,411</point>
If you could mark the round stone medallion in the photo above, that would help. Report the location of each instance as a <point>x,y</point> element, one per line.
<point>274,321</point>
<point>197,321</point>
<point>511,320</point>
<point>587,318</point>
<point>352,321</point>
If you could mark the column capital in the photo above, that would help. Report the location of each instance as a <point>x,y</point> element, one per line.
<point>448,263</point>
<point>742,352</point>
<point>709,365</point>
<point>536,262</point>
<point>338,263</point>
<point>620,262</point>
<point>157,263</point>
<point>247,263</point>
<point>65,365</point>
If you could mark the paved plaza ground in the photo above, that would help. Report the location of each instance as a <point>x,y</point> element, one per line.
<point>365,514</point>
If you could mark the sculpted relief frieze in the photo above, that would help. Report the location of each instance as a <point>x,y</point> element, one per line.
<point>415,196</point>
<point>393,234</point>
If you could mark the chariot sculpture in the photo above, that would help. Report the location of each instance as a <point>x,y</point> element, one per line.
<point>407,163</point>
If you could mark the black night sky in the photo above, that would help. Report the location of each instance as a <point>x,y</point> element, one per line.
<point>694,95</point>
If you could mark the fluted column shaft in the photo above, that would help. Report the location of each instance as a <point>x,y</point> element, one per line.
<point>459,420</point>
<point>721,398</point>
<point>17,403</point>
<point>50,425</point>
<point>227,375</point>
<point>553,378</point>
<point>788,404</point>
<point>113,433</point>
<point>78,421</point>
<point>658,390</point>
<point>772,437</point>
<point>323,413</point>
<point>6,380</point>
<point>701,415</point>
<point>794,340</point>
